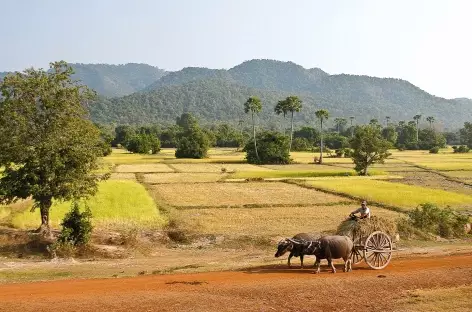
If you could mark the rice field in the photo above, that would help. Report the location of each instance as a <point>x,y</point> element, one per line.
<point>291,174</point>
<point>394,194</point>
<point>143,168</point>
<point>215,168</point>
<point>459,174</point>
<point>117,204</point>
<point>274,221</point>
<point>239,194</point>
<point>182,177</point>
<point>123,176</point>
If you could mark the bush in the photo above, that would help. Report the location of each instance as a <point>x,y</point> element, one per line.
<point>143,144</point>
<point>434,150</point>
<point>76,226</point>
<point>272,147</point>
<point>443,222</point>
<point>461,149</point>
<point>301,145</point>
<point>193,143</point>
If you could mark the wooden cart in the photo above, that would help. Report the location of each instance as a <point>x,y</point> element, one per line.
<point>376,250</point>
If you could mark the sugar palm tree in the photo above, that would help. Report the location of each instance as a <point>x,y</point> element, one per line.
<point>417,119</point>
<point>322,115</point>
<point>290,104</point>
<point>352,128</point>
<point>431,120</point>
<point>253,105</point>
<point>387,118</point>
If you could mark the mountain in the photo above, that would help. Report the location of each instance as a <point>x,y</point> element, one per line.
<point>218,95</point>
<point>115,80</point>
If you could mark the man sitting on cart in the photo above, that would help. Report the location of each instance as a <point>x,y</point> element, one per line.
<point>364,212</point>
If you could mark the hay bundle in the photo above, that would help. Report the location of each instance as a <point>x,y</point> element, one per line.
<point>362,228</point>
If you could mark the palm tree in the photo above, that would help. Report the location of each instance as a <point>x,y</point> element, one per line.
<point>339,122</point>
<point>253,105</point>
<point>352,129</point>
<point>321,114</point>
<point>290,104</point>
<point>387,118</point>
<point>431,120</point>
<point>417,119</point>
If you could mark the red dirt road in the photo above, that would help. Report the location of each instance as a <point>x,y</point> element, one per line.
<point>273,288</point>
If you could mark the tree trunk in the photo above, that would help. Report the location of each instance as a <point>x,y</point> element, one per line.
<point>417,131</point>
<point>291,134</point>
<point>44,207</point>
<point>352,130</point>
<point>254,135</point>
<point>321,143</point>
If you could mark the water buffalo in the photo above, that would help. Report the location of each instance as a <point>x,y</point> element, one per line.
<point>295,245</point>
<point>329,248</point>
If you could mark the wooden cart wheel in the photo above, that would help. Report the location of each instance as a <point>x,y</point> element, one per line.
<point>358,254</point>
<point>378,250</point>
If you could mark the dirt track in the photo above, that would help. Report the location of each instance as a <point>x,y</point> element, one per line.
<point>273,288</point>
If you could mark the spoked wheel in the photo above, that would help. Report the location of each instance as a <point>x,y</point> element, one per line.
<point>378,250</point>
<point>358,254</point>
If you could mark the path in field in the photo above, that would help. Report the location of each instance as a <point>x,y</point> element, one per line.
<point>273,288</point>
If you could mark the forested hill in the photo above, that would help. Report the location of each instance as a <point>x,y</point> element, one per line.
<point>218,95</point>
<point>115,80</point>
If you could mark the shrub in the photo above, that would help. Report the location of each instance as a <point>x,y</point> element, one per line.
<point>143,144</point>
<point>76,226</point>
<point>272,147</point>
<point>461,149</point>
<point>443,222</point>
<point>193,143</point>
<point>301,145</point>
<point>434,150</point>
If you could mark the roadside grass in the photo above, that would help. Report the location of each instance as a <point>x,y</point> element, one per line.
<point>154,178</point>
<point>238,194</point>
<point>394,194</point>
<point>117,205</point>
<point>457,299</point>
<point>273,222</point>
<point>143,168</point>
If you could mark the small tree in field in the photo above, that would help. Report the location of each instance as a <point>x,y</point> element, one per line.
<point>369,148</point>
<point>192,143</point>
<point>272,147</point>
<point>49,148</point>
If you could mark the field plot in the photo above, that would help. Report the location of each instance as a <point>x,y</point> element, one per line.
<point>334,172</point>
<point>467,175</point>
<point>239,194</point>
<point>143,168</point>
<point>395,194</point>
<point>117,204</point>
<point>182,177</point>
<point>216,168</point>
<point>123,176</point>
<point>273,221</point>
<point>441,161</point>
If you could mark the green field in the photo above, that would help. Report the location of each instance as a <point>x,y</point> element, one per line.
<point>117,204</point>
<point>394,194</point>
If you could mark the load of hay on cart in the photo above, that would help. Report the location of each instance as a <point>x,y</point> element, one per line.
<point>372,240</point>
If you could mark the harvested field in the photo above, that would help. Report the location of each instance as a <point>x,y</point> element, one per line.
<point>433,181</point>
<point>334,172</point>
<point>395,194</point>
<point>275,221</point>
<point>123,176</point>
<point>239,194</point>
<point>300,167</point>
<point>216,168</point>
<point>467,175</point>
<point>155,178</point>
<point>143,168</point>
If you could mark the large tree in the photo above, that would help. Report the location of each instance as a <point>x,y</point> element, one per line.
<point>340,124</point>
<point>49,147</point>
<point>431,120</point>
<point>322,115</point>
<point>369,148</point>
<point>290,104</point>
<point>253,105</point>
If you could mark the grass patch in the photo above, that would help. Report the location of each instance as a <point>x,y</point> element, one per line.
<point>273,221</point>
<point>441,299</point>
<point>394,194</point>
<point>238,194</point>
<point>117,204</point>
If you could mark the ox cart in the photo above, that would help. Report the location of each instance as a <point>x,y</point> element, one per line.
<point>375,249</point>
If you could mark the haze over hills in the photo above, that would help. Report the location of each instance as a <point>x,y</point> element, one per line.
<point>145,94</point>
<point>218,95</point>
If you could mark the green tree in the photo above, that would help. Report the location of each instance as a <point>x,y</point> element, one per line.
<point>123,134</point>
<point>290,104</point>
<point>390,134</point>
<point>368,148</point>
<point>430,138</point>
<point>322,115</point>
<point>417,118</point>
<point>431,120</point>
<point>352,127</point>
<point>143,143</point>
<point>340,124</point>
<point>193,142</point>
<point>272,147</point>
<point>49,146</point>
<point>253,105</point>
<point>466,134</point>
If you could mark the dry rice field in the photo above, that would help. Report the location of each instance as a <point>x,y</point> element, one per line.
<point>215,168</point>
<point>157,178</point>
<point>143,168</point>
<point>239,194</point>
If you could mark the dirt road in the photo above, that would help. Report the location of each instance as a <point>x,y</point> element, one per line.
<point>273,288</point>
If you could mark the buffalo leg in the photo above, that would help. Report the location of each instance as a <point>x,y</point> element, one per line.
<point>289,257</point>
<point>301,260</point>
<point>330,263</point>
<point>317,266</point>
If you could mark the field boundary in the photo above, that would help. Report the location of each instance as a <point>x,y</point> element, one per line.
<point>256,206</point>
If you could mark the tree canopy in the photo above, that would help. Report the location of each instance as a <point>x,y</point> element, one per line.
<point>369,148</point>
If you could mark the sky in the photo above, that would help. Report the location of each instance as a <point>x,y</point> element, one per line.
<point>427,42</point>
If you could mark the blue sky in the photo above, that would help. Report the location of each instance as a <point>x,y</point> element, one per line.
<point>427,42</point>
